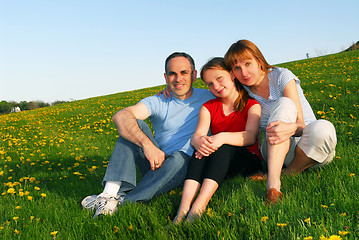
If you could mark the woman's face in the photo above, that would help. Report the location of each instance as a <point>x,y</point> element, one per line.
<point>248,72</point>
<point>219,82</point>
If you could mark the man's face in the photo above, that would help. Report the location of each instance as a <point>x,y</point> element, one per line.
<point>179,77</point>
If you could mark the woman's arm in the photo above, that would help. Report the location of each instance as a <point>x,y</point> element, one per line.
<point>278,131</point>
<point>244,138</point>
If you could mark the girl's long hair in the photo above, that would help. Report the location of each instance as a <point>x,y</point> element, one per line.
<point>218,63</point>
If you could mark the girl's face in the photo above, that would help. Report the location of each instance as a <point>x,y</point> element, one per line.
<point>248,72</point>
<point>219,82</point>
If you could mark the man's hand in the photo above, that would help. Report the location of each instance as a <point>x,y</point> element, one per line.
<point>278,131</point>
<point>155,156</point>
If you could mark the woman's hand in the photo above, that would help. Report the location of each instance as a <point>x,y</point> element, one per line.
<point>278,131</point>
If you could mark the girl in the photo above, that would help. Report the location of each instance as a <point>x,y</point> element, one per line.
<point>233,118</point>
<point>294,138</point>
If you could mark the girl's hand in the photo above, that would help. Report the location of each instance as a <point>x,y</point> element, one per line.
<point>204,145</point>
<point>278,131</point>
<point>198,155</point>
<point>217,140</point>
<point>166,93</point>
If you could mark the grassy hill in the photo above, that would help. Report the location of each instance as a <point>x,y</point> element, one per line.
<point>51,158</point>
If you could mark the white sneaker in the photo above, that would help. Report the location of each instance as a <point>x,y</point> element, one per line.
<point>106,205</point>
<point>89,202</point>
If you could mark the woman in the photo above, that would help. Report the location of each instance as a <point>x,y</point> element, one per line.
<point>294,138</point>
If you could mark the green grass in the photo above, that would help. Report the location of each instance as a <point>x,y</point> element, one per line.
<point>62,152</point>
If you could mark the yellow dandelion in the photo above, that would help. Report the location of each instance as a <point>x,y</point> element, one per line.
<point>323,238</point>
<point>31,218</point>
<point>324,206</point>
<point>37,188</point>
<point>1,173</point>
<point>343,233</point>
<point>281,224</point>
<point>210,212</point>
<point>352,174</point>
<point>172,192</point>
<point>32,179</point>
<point>54,233</point>
<point>308,238</point>
<point>115,229</point>
<point>43,195</point>
<point>17,207</point>
<point>264,219</point>
<point>335,237</point>
<point>130,227</point>
<point>307,220</point>
<point>343,214</point>
<point>11,191</point>
<point>15,218</point>
<point>29,198</point>
<point>16,231</point>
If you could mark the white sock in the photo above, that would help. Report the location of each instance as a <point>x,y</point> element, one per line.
<point>111,188</point>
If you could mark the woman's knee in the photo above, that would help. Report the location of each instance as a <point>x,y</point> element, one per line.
<point>320,132</point>
<point>283,110</point>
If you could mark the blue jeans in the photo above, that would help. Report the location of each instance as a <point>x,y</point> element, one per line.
<point>122,167</point>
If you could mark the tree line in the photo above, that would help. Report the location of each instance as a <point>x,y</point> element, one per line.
<point>5,107</point>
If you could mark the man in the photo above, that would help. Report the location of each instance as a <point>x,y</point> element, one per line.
<point>162,160</point>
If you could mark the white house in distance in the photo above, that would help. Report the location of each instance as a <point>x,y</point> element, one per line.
<point>15,110</point>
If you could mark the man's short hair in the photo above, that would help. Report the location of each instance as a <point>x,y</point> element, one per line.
<point>180,54</point>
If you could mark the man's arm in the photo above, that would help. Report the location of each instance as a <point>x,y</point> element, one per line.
<point>126,124</point>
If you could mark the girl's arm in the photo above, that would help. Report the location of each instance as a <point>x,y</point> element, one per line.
<point>278,131</point>
<point>245,138</point>
<point>200,141</point>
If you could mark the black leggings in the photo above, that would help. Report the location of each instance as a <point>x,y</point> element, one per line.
<point>228,160</point>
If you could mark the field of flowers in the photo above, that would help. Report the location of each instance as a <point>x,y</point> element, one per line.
<point>52,157</point>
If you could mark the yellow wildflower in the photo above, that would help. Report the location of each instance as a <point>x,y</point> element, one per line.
<point>343,233</point>
<point>281,224</point>
<point>335,237</point>
<point>308,238</point>
<point>264,219</point>
<point>54,233</point>
<point>307,220</point>
<point>11,191</point>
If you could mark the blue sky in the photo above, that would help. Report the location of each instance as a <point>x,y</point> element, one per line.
<point>65,50</point>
